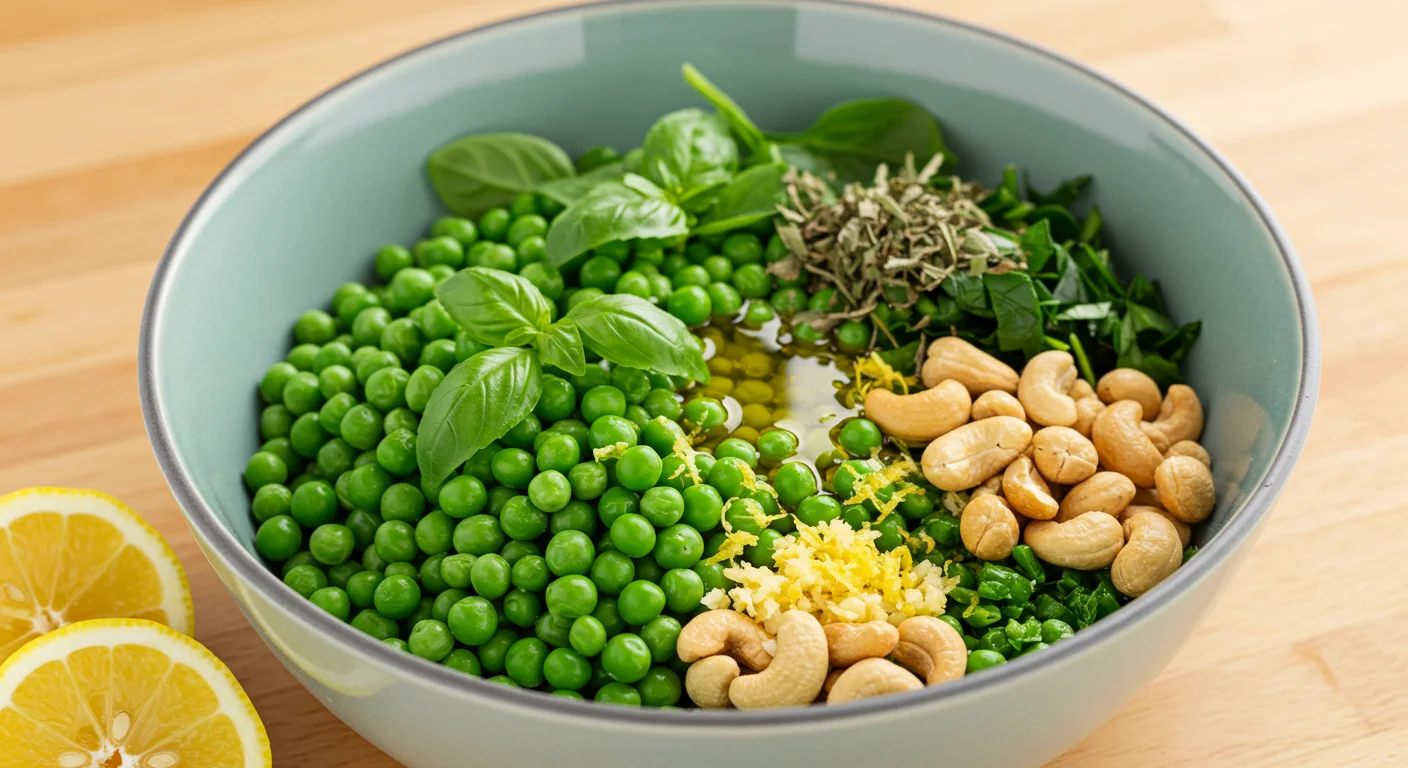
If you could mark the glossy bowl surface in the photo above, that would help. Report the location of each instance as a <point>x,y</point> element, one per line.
<point>304,208</point>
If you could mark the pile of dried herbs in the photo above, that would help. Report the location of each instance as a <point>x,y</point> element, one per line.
<point>920,255</point>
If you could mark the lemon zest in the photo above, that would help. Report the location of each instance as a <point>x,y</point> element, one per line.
<point>613,451</point>
<point>871,372</point>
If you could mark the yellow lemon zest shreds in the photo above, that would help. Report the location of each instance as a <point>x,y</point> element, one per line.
<point>920,539</point>
<point>684,451</point>
<point>837,574</point>
<point>750,480</point>
<point>867,487</point>
<point>871,372</point>
<point>734,542</point>
<point>614,451</point>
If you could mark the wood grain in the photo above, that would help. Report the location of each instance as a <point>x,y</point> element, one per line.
<point>113,116</point>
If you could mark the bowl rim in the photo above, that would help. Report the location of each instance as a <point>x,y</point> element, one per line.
<point>208,529</point>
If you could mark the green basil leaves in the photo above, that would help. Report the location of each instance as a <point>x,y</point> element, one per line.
<point>747,133</point>
<point>688,153</point>
<point>614,210</point>
<point>857,135</point>
<point>750,197</point>
<point>477,403</point>
<point>561,346</point>
<point>630,331</point>
<point>492,305</point>
<point>476,173</point>
<point>484,396</point>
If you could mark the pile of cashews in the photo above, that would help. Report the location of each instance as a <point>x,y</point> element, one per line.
<point>1087,477</point>
<point>731,665</point>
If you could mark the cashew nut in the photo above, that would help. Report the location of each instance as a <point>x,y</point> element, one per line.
<point>707,681</point>
<point>995,402</point>
<point>1152,552</point>
<point>1184,530</point>
<point>1045,386</point>
<point>1186,488</point>
<point>1190,448</point>
<point>931,649</point>
<point>1122,446</point>
<point>922,416</point>
<point>848,643</point>
<point>1063,455</point>
<point>1088,405</point>
<point>724,631</point>
<point>988,528</point>
<point>870,678</point>
<point>1108,492</point>
<point>1181,416</point>
<point>974,452</point>
<point>1130,384</point>
<point>797,670</point>
<point>992,485</point>
<point>831,678</point>
<point>1155,435</point>
<point>1085,543</point>
<point>1026,491</point>
<point>950,357</point>
<point>1146,497</point>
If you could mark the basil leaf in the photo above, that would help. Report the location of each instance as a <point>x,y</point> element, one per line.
<point>1063,225</point>
<point>570,189</point>
<point>751,197</point>
<point>1019,324</point>
<point>624,210</point>
<point>1176,345</point>
<point>688,152</point>
<point>1065,193</point>
<point>1037,243</point>
<point>874,130</point>
<point>476,173</point>
<point>490,305</point>
<point>1090,228</point>
<point>968,291</point>
<point>561,345</point>
<point>630,331</point>
<point>1146,319</point>
<point>748,134</point>
<point>1094,311</point>
<point>477,403</point>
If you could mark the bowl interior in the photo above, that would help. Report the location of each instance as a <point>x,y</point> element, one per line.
<point>306,207</point>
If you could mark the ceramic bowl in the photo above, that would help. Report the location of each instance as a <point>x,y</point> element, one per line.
<point>306,205</point>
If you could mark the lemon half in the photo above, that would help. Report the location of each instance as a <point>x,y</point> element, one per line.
<point>69,555</point>
<point>125,692</point>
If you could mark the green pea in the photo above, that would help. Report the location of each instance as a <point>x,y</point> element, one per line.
<point>683,589</point>
<point>982,659</point>
<point>704,413</point>
<point>376,625</point>
<point>522,520</point>
<point>334,601</point>
<point>587,636</point>
<point>607,431</point>
<point>626,658</point>
<point>703,507</point>
<point>514,467</point>
<point>690,303</point>
<point>611,572</point>
<point>860,437</point>
<point>678,546</point>
<point>558,399</point>
<point>633,535</point>
<point>553,630</point>
<point>758,313</point>
<point>571,596</point>
<point>490,576</point>
<point>795,482</point>
<point>478,535</point>
<point>567,669</point>
<point>271,501</point>
<point>530,573</point>
<point>752,281</point>
<point>522,608</point>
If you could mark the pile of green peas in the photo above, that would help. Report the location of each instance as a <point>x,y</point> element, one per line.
<point>537,565</point>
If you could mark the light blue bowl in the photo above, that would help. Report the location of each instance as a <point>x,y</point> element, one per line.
<point>304,208</point>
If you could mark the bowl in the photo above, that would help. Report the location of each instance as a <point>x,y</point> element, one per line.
<point>306,205</point>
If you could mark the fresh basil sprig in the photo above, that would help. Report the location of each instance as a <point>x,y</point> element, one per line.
<point>477,403</point>
<point>750,197</point>
<point>630,331</point>
<point>491,304</point>
<point>688,153</point>
<point>476,173</point>
<point>484,396</point>
<point>614,210</point>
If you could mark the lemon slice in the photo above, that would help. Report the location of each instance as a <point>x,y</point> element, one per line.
<point>68,555</point>
<point>125,692</point>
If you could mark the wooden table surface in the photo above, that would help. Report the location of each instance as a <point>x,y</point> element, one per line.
<point>114,116</point>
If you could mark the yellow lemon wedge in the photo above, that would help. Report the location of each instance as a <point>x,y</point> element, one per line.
<point>69,555</point>
<point>125,692</point>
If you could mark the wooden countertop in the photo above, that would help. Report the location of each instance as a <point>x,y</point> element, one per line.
<point>114,116</point>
